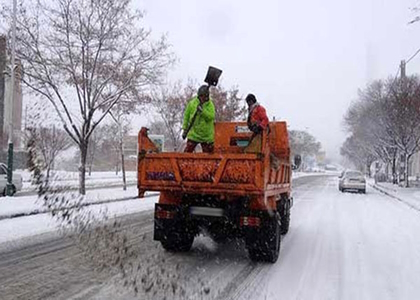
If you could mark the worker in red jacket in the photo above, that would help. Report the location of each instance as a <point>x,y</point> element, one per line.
<point>257,117</point>
<point>257,123</point>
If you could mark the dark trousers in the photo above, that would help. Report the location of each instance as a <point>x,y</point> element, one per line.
<point>207,147</point>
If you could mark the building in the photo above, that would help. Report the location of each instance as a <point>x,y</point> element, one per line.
<point>5,99</point>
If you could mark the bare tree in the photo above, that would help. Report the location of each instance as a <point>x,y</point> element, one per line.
<point>385,122</point>
<point>169,102</point>
<point>49,143</point>
<point>354,149</point>
<point>85,56</point>
<point>95,143</point>
<point>119,114</point>
<point>403,112</point>
<point>229,105</point>
<point>363,120</point>
<point>303,143</point>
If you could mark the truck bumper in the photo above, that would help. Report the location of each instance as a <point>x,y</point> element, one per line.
<point>173,219</point>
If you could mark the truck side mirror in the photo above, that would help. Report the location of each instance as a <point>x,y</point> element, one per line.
<point>296,162</point>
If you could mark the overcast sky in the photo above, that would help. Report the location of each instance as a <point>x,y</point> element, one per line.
<point>304,60</point>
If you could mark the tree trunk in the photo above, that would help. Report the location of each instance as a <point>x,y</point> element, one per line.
<point>406,179</point>
<point>48,174</point>
<point>368,164</point>
<point>123,171</point>
<point>82,168</point>
<point>122,159</point>
<point>394,171</point>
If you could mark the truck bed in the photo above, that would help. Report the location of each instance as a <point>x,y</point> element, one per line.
<point>225,172</point>
<point>230,173</point>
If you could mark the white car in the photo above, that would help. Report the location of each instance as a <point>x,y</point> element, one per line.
<point>352,180</point>
<point>17,180</point>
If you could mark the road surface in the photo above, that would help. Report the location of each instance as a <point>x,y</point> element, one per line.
<point>340,246</point>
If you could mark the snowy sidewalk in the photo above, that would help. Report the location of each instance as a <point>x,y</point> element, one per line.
<point>70,180</point>
<point>409,196</point>
<point>12,207</point>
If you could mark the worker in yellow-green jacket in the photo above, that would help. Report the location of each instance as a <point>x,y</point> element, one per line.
<point>198,126</point>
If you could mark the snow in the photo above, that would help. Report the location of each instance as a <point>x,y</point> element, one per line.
<point>66,176</point>
<point>340,246</point>
<point>11,229</point>
<point>410,196</point>
<point>305,174</point>
<point>347,246</point>
<point>16,228</point>
<point>71,179</point>
<point>11,206</point>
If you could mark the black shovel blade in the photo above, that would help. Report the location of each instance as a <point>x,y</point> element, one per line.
<point>213,75</point>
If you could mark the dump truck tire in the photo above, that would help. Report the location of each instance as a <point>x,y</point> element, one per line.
<point>178,238</point>
<point>285,222</point>
<point>267,246</point>
<point>284,217</point>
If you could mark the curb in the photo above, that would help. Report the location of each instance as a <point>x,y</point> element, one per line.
<point>383,191</point>
<point>38,212</point>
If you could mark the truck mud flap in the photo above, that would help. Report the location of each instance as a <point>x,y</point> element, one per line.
<point>171,220</point>
<point>253,224</point>
<point>166,216</point>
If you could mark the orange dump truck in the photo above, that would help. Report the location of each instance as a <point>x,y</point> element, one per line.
<point>241,190</point>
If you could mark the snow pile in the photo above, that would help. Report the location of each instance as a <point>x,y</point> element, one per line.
<point>410,196</point>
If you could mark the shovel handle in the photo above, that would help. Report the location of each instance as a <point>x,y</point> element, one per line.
<point>191,125</point>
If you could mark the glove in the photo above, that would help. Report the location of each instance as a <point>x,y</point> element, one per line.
<point>184,135</point>
<point>255,128</point>
<point>200,108</point>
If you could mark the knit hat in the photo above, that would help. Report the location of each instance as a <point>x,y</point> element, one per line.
<point>251,98</point>
<point>203,91</point>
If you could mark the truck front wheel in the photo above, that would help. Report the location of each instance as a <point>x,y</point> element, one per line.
<point>265,246</point>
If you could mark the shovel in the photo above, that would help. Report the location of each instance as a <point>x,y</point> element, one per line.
<point>212,78</point>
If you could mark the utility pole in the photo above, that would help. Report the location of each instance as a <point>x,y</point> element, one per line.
<point>403,69</point>
<point>9,186</point>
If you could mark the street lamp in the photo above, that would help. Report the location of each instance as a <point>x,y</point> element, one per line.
<point>9,186</point>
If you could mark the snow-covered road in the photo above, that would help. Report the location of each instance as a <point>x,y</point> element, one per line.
<point>347,246</point>
<point>340,246</point>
